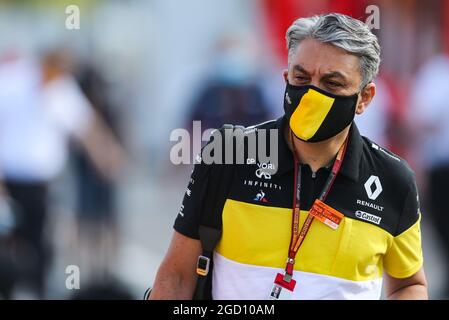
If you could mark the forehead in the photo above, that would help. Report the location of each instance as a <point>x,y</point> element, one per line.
<point>317,57</point>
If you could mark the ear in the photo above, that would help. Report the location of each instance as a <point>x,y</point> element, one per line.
<point>366,95</point>
<point>285,75</point>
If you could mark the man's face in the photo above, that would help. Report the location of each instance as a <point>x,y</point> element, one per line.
<point>324,66</point>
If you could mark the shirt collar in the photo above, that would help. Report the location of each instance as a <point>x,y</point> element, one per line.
<point>351,161</point>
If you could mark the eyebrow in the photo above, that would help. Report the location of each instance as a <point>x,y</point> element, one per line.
<point>299,68</point>
<point>331,74</point>
<point>334,74</point>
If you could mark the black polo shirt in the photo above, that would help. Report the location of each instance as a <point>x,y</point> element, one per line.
<point>376,192</point>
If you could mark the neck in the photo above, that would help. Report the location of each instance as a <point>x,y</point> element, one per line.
<point>317,154</point>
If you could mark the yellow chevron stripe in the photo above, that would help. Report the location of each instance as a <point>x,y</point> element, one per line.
<point>402,259</point>
<point>260,235</point>
<point>310,114</point>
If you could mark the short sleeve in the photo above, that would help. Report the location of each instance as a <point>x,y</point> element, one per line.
<point>404,256</point>
<point>188,220</point>
<point>68,107</point>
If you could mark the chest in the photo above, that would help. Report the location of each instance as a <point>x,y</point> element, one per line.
<point>257,220</point>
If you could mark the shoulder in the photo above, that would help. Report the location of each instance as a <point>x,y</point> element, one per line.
<point>382,160</point>
<point>386,171</point>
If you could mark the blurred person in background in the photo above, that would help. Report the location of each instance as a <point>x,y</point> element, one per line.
<point>29,158</point>
<point>96,192</point>
<point>384,122</point>
<point>9,217</point>
<point>429,123</point>
<point>41,108</point>
<point>232,93</point>
<point>375,120</point>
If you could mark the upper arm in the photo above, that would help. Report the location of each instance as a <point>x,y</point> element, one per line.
<point>176,277</point>
<point>182,255</point>
<point>393,285</point>
<point>178,269</point>
<point>404,256</point>
<point>403,261</point>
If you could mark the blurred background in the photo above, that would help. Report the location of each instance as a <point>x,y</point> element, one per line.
<point>87,107</point>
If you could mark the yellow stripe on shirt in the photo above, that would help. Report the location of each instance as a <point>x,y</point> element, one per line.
<point>260,235</point>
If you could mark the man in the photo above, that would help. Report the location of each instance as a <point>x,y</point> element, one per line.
<point>339,210</point>
<point>40,111</point>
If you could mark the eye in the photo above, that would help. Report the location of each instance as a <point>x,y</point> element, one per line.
<point>301,78</point>
<point>333,84</point>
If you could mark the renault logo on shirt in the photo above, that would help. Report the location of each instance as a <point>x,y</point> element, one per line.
<point>373,187</point>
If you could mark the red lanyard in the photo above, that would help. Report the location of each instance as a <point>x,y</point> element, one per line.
<point>298,237</point>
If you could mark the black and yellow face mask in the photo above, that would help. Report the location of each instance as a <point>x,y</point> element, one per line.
<point>315,115</point>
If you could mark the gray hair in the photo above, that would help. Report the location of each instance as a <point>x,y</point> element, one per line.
<point>341,31</point>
